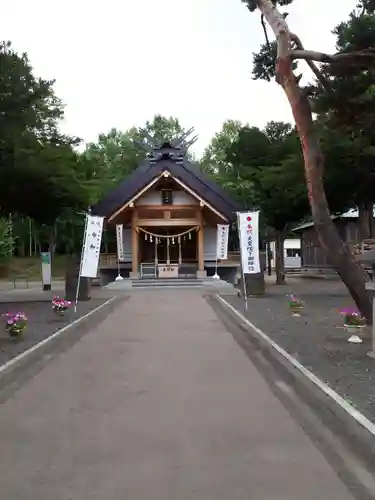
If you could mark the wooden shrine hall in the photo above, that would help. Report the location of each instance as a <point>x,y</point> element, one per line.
<point>169,211</point>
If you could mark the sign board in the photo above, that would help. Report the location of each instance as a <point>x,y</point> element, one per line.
<point>248,229</point>
<point>46,270</point>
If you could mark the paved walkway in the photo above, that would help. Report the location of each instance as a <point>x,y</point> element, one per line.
<point>157,403</point>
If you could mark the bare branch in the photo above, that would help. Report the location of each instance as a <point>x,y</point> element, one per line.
<point>314,68</point>
<point>350,57</point>
<point>263,22</point>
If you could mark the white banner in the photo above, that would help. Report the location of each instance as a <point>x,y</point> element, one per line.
<point>120,241</point>
<point>222,241</point>
<point>248,229</point>
<point>91,246</point>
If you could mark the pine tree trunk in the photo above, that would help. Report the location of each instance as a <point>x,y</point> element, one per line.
<point>339,255</point>
<point>279,258</point>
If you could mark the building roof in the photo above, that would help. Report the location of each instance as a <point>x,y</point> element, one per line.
<point>167,158</point>
<point>350,215</point>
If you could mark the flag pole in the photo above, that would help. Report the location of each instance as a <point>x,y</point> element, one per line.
<point>243,274</point>
<point>118,277</point>
<point>216,276</point>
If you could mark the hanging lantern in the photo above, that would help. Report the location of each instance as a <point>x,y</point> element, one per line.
<point>145,236</point>
<point>189,236</point>
<point>172,241</point>
<point>151,238</point>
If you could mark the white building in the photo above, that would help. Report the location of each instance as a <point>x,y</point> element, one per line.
<point>292,253</point>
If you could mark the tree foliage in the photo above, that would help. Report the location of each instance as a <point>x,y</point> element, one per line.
<point>7,240</point>
<point>347,112</point>
<point>115,155</point>
<point>289,50</point>
<point>37,163</point>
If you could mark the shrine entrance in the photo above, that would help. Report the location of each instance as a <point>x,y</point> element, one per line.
<point>168,245</point>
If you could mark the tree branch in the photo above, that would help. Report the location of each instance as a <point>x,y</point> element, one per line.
<point>314,68</point>
<point>350,57</point>
<point>263,22</point>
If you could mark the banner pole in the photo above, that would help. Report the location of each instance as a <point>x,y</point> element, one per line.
<point>80,265</point>
<point>243,274</point>
<point>118,277</point>
<point>119,237</point>
<point>216,276</point>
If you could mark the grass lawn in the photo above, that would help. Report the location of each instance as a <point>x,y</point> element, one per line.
<point>31,267</point>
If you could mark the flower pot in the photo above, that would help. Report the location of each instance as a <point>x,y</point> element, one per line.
<point>354,330</point>
<point>296,310</point>
<point>16,334</point>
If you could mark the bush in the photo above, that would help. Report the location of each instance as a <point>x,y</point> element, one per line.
<point>7,241</point>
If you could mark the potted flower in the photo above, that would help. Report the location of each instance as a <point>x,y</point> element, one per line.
<point>15,324</point>
<point>353,322</point>
<point>60,306</point>
<point>295,305</point>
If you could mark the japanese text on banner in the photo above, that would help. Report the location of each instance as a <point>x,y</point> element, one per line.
<point>249,241</point>
<point>91,246</point>
<point>120,241</point>
<point>222,241</point>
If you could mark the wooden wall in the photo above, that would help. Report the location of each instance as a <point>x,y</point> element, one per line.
<point>313,255</point>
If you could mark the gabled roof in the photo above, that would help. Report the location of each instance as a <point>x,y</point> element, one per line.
<point>179,168</point>
<point>350,215</point>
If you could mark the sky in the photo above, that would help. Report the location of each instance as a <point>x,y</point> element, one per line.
<point>117,63</point>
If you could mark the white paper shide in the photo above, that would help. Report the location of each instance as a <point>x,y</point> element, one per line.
<point>248,227</point>
<point>222,241</point>
<point>91,246</point>
<point>120,241</point>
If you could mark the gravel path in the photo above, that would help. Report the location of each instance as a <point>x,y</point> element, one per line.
<point>316,338</point>
<point>42,324</point>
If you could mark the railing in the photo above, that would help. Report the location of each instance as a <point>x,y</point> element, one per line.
<point>148,270</point>
<point>107,260</point>
<point>234,256</point>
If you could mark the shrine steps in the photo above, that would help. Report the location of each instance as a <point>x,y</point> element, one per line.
<point>166,282</point>
<point>206,285</point>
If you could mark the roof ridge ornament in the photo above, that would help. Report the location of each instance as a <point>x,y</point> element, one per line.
<point>179,144</point>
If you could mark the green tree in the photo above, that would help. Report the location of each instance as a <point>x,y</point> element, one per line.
<point>7,240</point>
<point>37,163</point>
<point>267,160</point>
<point>214,157</point>
<point>117,154</point>
<point>110,160</point>
<point>348,113</point>
<point>290,50</point>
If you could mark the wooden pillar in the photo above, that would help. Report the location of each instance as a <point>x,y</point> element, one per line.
<point>135,246</point>
<point>201,248</point>
<point>200,242</point>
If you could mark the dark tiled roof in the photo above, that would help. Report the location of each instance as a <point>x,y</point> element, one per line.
<point>188,173</point>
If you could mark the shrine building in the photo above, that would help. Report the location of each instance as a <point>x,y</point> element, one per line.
<point>169,210</point>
